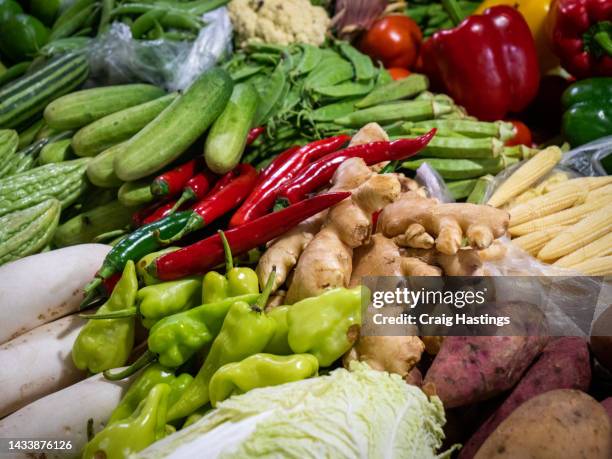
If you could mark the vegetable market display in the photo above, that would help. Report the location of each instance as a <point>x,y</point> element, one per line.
<point>183,268</point>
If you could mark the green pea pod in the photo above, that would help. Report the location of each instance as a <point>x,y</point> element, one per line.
<point>260,370</point>
<point>362,64</point>
<point>146,22</point>
<point>311,56</point>
<point>325,326</point>
<point>145,426</point>
<point>346,89</point>
<point>72,24</point>
<point>272,89</point>
<point>107,343</point>
<point>162,300</point>
<point>14,72</point>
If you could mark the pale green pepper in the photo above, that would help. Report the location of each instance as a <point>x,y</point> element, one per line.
<point>162,300</point>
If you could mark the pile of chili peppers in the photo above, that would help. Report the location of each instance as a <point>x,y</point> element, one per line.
<point>287,181</point>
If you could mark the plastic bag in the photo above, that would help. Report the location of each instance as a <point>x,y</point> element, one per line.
<point>587,159</point>
<point>117,58</point>
<point>428,177</point>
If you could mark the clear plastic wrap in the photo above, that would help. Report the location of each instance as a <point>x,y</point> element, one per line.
<point>117,58</point>
<point>587,159</point>
<point>434,183</point>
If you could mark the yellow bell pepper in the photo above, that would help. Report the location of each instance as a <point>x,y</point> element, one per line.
<point>534,12</point>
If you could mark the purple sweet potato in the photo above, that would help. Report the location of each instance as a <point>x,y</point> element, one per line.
<point>469,369</point>
<point>607,404</point>
<point>564,364</point>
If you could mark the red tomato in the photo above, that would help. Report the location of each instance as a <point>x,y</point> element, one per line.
<point>398,73</point>
<point>394,40</point>
<point>523,135</point>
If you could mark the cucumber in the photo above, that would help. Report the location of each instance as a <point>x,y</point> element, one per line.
<point>80,108</point>
<point>227,137</point>
<point>86,226</point>
<point>176,128</point>
<point>55,152</point>
<point>9,141</point>
<point>26,97</point>
<point>117,127</point>
<point>132,194</point>
<point>28,231</point>
<point>63,181</point>
<point>101,171</point>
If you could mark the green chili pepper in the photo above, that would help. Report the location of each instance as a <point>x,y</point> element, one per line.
<point>174,339</point>
<point>588,115</point>
<point>195,417</point>
<point>246,331</point>
<point>279,344</point>
<point>141,266</point>
<point>325,326</point>
<point>150,377</point>
<point>145,426</point>
<point>106,343</point>
<point>162,300</point>
<point>237,281</point>
<point>22,36</point>
<point>260,370</point>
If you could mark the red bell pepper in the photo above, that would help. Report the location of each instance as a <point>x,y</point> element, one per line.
<point>488,63</point>
<point>582,36</point>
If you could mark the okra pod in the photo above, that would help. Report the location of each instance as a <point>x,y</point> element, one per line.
<point>478,194</point>
<point>458,169</point>
<point>398,111</point>
<point>468,128</point>
<point>396,90</point>
<point>460,189</point>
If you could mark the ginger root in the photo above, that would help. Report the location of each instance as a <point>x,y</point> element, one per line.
<point>423,223</point>
<point>326,262</point>
<point>394,354</point>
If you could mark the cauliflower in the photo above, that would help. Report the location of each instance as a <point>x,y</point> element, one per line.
<point>279,21</point>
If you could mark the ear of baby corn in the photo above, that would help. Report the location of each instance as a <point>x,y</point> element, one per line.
<point>532,243</point>
<point>599,192</point>
<point>526,175</point>
<point>586,183</point>
<point>599,248</point>
<point>600,266</point>
<point>555,178</point>
<point>525,196</point>
<point>547,204</point>
<point>592,227</point>
<point>564,218</point>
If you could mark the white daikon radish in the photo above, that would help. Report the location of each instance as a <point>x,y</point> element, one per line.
<point>63,415</point>
<point>38,363</point>
<point>44,287</point>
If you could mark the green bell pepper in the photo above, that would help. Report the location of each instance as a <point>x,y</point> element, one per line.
<point>103,344</point>
<point>327,325</point>
<point>145,426</point>
<point>8,10</point>
<point>588,115</point>
<point>237,281</point>
<point>150,377</point>
<point>260,370</point>
<point>246,330</point>
<point>22,36</point>
<point>45,10</point>
<point>176,338</point>
<point>162,300</point>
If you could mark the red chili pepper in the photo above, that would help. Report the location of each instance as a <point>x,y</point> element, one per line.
<point>171,183</point>
<point>203,255</point>
<point>228,193</point>
<point>286,166</point>
<point>109,283</point>
<point>488,63</point>
<point>582,36</point>
<point>160,212</point>
<point>321,171</point>
<point>254,134</point>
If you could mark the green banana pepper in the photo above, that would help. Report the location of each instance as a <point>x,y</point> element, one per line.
<point>174,339</point>
<point>260,370</point>
<point>103,344</point>
<point>246,330</point>
<point>145,426</point>
<point>144,262</point>
<point>150,377</point>
<point>279,344</point>
<point>588,115</point>
<point>22,36</point>
<point>237,281</point>
<point>327,325</point>
<point>162,300</point>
